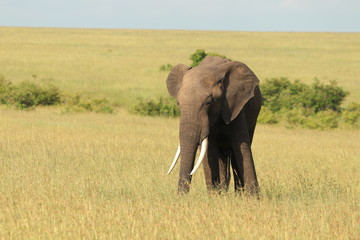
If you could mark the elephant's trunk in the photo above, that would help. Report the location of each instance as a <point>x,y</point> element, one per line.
<point>189,142</point>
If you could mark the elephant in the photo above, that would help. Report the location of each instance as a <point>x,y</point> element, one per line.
<point>219,102</point>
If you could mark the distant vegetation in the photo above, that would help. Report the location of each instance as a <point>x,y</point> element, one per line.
<point>315,106</point>
<point>295,104</point>
<point>200,54</point>
<point>195,58</point>
<point>166,67</point>
<point>166,107</point>
<point>29,94</point>
<point>79,103</point>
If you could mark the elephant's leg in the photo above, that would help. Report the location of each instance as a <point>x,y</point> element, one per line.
<point>224,170</point>
<point>216,168</point>
<point>244,163</point>
<point>217,173</point>
<point>211,167</point>
<point>237,173</point>
<point>250,180</point>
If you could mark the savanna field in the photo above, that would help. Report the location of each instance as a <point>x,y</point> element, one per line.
<point>89,175</point>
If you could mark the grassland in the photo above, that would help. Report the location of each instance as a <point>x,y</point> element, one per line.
<point>97,176</point>
<point>124,64</point>
<point>100,176</point>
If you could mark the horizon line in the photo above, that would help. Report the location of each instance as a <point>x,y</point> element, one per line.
<point>178,29</point>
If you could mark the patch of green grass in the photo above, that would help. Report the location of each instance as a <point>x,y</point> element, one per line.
<point>351,115</point>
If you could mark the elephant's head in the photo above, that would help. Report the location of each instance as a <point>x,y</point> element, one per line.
<point>217,88</point>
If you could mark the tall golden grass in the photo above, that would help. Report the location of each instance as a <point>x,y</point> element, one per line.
<point>100,176</point>
<point>95,176</point>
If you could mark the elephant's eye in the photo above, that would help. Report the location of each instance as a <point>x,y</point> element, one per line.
<point>220,81</point>
<point>209,100</point>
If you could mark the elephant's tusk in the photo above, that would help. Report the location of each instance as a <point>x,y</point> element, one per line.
<point>204,146</point>
<point>176,158</point>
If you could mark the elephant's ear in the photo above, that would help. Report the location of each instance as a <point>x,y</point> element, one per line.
<point>174,80</point>
<point>240,83</point>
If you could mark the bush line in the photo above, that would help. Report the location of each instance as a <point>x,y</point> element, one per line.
<point>29,94</point>
<point>293,104</point>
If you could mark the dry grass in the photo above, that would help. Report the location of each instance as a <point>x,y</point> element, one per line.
<point>104,176</point>
<point>124,64</point>
<point>93,176</point>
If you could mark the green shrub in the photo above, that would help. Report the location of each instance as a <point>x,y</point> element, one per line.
<point>199,55</point>
<point>266,116</point>
<point>295,117</point>
<point>166,67</point>
<point>323,97</point>
<point>28,94</point>
<point>280,93</point>
<point>77,103</point>
<point>327,119</point>
<point>315,106</point>
<point>102,105</point>
<point>306,119</point>
<point>351,115</point>
<point>156,107</point>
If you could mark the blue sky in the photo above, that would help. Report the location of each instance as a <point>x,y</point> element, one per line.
<point>236,15</point>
